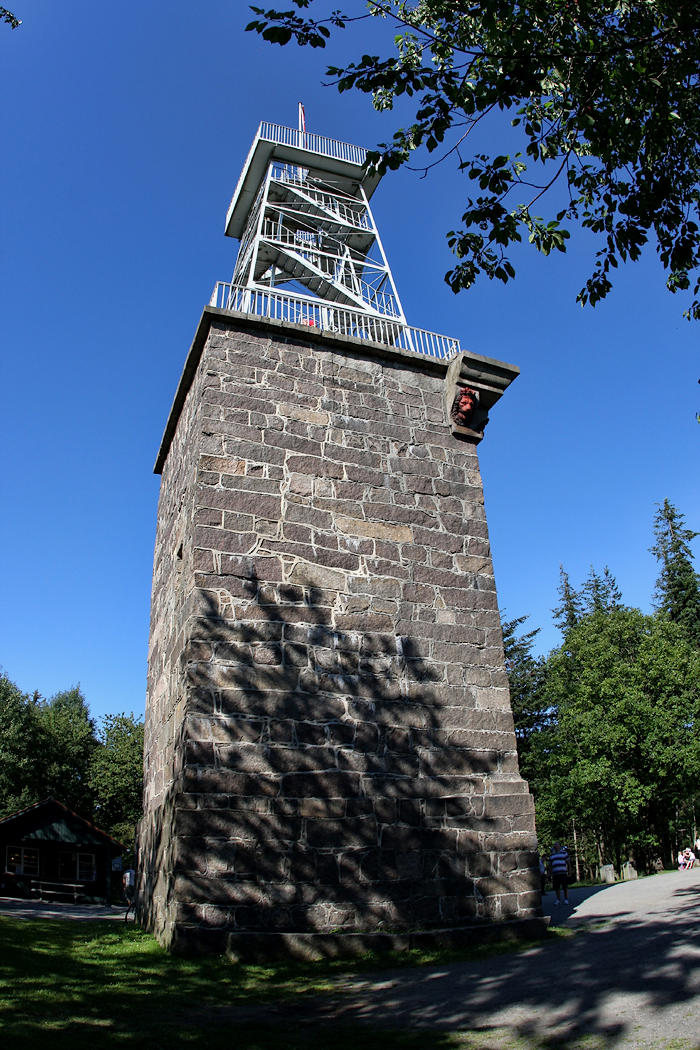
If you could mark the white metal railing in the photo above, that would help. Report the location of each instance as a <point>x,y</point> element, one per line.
<point>318,313</point>
<point>313,143</point>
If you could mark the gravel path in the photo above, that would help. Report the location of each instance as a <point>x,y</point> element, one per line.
<point>630,978</point>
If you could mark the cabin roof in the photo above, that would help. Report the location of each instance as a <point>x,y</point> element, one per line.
<point>51,821</point>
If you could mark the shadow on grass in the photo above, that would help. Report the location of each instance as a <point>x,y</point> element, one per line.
<point>83,985</point>
<point>86,984</point>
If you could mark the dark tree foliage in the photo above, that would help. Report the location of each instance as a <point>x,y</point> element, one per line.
<point>51,747</point>
<point>68,742</point>
<point>605,96</point>
<point>598,594</point>
<point>570,609</point>
<point>625,750</point>
<point>6,16</point>
<point>531,712</point>
<point>678,586</point>
<point>601,593</point>
<point>613,754</point>
<point>116,776</point>
<point>20,752</point>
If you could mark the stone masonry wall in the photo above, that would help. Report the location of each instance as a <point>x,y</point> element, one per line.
<point>172,593</point>
<point>329,738</point>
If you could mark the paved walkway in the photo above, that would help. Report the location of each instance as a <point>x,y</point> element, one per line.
<point>630,978</point>
<point>23,909</point>
<point>567,916</point>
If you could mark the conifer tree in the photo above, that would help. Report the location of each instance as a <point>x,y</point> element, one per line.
<point>570,609</point>
<point>525,678</point>
<point>677,593</point>
<point>601,593</point>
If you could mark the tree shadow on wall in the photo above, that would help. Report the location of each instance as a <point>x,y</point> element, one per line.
<point>320,788</point>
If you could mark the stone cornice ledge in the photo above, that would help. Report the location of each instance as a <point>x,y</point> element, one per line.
<point>484,380</point>
<point>332,340</point>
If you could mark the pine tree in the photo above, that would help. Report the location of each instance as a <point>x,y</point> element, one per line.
<point>525,678</point>
<point>570,609</point>
<point>677,593</point>
<point>601,593</point>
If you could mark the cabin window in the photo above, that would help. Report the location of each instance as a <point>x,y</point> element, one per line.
<point>21,861</point>
<point>77,867</point>
<point>86,867</point>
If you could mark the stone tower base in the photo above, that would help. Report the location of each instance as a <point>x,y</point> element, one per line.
<point>329,741</point>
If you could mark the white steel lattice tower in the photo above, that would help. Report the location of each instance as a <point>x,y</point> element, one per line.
<point>301,211</point>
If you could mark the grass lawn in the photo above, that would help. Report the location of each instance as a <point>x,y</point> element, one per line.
<point>82,984</point>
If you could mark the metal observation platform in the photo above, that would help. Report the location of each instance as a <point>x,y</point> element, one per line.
<point>310,252</point>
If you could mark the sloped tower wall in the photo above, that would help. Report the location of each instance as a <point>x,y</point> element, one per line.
<point>329,741</point>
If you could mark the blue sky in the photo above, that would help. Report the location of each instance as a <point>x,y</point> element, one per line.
<point>124,128</point>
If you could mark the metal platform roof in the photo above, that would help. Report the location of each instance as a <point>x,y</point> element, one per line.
<point>302,149</point>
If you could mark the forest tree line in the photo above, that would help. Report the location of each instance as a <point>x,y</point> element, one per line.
<point>608,724</point>
<point>53,747</point>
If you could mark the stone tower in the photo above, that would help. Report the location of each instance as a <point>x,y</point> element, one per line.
<point>330,756</point>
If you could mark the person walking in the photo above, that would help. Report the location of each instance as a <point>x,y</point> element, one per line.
<point>129,884</point>
<point>561,871</point>
<point>543,875</point>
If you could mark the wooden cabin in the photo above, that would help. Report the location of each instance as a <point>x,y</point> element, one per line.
<point>50,853</point>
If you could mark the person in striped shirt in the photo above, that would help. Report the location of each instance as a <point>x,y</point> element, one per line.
<point>561,871</point>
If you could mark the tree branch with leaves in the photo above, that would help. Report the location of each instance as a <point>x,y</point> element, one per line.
<point>11,20</point>
<point>604,94</point>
